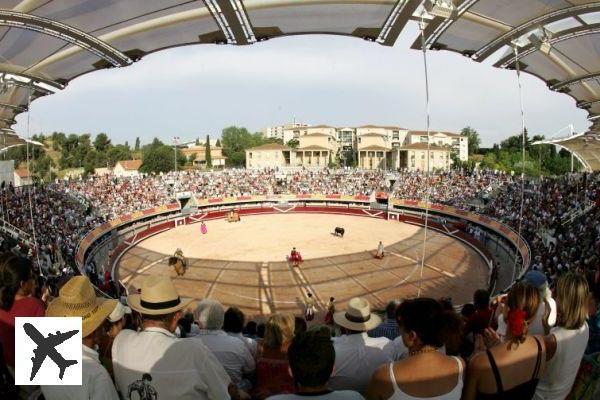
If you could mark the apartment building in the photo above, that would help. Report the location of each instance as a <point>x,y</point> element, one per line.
<point>277,132</point>
<point>372,147</point>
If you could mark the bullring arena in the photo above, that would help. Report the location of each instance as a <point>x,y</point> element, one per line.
<point>244,263</point>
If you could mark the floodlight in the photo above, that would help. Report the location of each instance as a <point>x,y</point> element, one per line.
<point>540,38</point>
<point>440,8</point>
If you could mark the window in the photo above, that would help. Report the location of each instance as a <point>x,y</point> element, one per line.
<point>423,156</point>
<point>359,140</point>
<point>250,154</point>
<point>371,154</point>
<point>380,154</point>
<point>395,135</point>
<point>423,139</point>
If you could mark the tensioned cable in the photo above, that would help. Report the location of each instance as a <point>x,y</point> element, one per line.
<point>518,69</point>
<point>427,173</point>
<point>35,244</point>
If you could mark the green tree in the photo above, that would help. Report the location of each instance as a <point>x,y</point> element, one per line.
<point>102,142</point>
<point>218,144</point>
<point>137,144</point>
<point>473,137</point>
<point>235,142</point>
<point>42,166</point>
<point>207,155</point>
<point>293,143</point>
<point>58,140</point>
<point>117,153</point>
<point>192,158</point>
<point>158,157</point>
<point>197,142</point>
<point>89,162</point>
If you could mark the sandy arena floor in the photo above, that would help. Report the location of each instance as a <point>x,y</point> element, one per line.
<point>243,264</point>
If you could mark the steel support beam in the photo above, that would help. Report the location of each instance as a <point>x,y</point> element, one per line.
<point>509,59</point>
<point>18,109</point>
<point>396,21</point>
<point>522,29</point>
<point>574,81</point>
<point>231,17</point>
<point>64,32</point>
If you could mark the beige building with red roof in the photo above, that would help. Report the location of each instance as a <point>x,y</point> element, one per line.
<point>22,177</point>
<point>127,168</point>
<point>216,154</point>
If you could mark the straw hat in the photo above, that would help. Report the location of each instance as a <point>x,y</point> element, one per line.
<point>158,297</point>
<point>77,298</point>
<point>119,312</point>
<point>358,316</point>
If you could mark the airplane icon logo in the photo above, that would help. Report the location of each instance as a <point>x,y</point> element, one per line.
<point>48,351</point>
<point>47,348</point>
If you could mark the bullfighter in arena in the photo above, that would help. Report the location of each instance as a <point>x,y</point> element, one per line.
<point>179,262</point>
<point>309,308</point>
<point>380,251</point>
<point>295,258</point>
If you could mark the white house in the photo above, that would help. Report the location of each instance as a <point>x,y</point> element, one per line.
<point>22,177</point>
<point>127,168</point>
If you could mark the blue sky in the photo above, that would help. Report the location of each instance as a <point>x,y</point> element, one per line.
<point>193,91</point>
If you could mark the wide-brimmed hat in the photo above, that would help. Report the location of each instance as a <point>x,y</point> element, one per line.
<point>77,298</point>
<point>358,316</point>
<point>158,297</point>
<point>119,312</point>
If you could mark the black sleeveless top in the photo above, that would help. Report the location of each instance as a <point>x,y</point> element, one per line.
<point>523,391</point>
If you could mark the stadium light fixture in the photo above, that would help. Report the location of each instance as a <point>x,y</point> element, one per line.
<point>540,38</point>
<point>440,8</point>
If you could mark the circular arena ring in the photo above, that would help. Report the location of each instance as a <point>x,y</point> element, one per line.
<point>245,264</point>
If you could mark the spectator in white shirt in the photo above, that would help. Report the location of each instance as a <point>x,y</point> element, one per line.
<point>357,355</point>
<point>567,341</point>
<point>78,299</point>
<point>233,324</point>
<point>311,356</point>
<point>545,317</point>
<point>231,352</point>
<point>154,362</point>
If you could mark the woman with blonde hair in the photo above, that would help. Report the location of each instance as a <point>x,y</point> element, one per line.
<point>272,367</point>
<point>509,369</point>
<point>567,341</point>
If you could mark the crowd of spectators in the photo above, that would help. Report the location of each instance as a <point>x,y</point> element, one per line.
<point>560,219</point>
<point>59,222</point>
<point>527,344</point>
<point>514,346</point>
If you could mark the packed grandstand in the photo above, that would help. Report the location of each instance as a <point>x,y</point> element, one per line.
<point>243,359</point>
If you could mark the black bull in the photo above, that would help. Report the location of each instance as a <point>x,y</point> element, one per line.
<point>339,231</point>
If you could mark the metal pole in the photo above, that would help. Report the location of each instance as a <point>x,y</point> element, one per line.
<point>572,157</point>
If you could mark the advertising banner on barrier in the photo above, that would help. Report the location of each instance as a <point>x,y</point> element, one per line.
<point>473,217</point>
<point>452,211</point>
